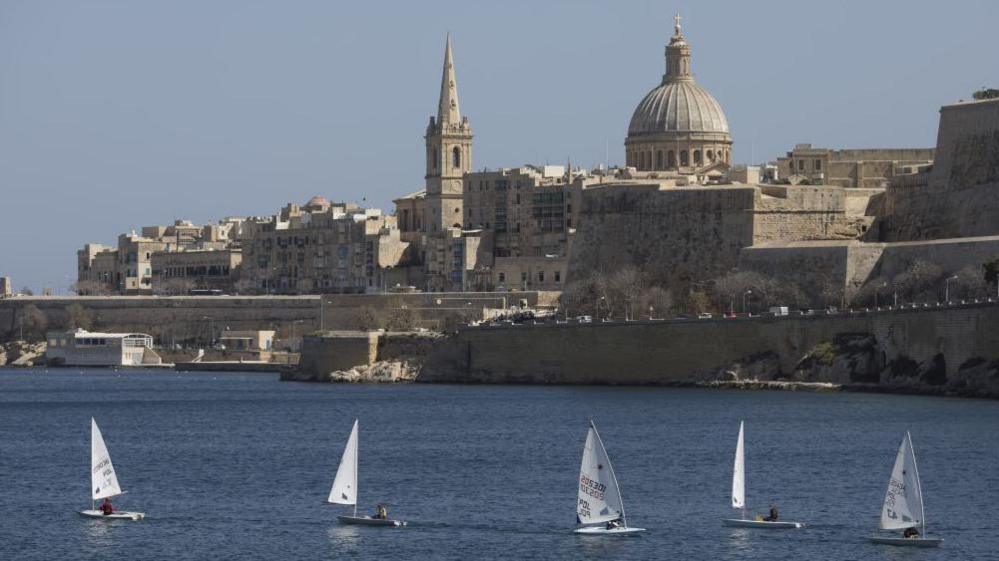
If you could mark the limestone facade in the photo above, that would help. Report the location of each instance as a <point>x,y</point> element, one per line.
<point>323,249</point>
<point>449,155</point>
<point>866,168</point>
<point>179,272</point>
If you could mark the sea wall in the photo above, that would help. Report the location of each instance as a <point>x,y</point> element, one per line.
<point>194,318</point>
<point>364,356</point>
<point>180,318</point>
<point>939,350</point>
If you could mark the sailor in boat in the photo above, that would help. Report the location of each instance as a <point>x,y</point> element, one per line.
<point>616,523</point>
<point>106,507</point>
<point>774,515</point>
<point>382,513</point>
<point>910,532</point>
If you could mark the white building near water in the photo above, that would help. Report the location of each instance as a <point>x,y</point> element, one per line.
<point>83,348</point>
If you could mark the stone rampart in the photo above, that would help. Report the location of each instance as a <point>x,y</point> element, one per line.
<point>672,233</point>
<point>958,197</point>
<point>956,349</point>
<point>193,319</point>
<point>166,318</point>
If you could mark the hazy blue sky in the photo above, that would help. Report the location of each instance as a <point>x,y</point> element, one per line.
<point>118,114</point>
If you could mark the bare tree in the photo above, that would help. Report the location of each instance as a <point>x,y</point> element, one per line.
<point>33,323</point>
<point>921,281</point>
<point>970,283</point>
<point>79,317</point>
<point>656,300</point>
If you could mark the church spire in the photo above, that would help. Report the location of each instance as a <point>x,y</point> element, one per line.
<point>448,113</point>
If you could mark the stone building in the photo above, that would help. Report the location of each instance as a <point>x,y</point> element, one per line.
<point>179,272</point>
<point>678,126</point>
<point>127,268</point>
<point>6,288</point>
<point>324,248</point>
<point>865,168</point>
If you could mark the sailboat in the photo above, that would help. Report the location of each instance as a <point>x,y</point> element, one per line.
<point>344,490</point>
<point>739,493</point>
<point>103,480</point>
<point>903,506</point>
<point>599,507</point>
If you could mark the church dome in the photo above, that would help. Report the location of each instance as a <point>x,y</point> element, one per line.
<point>678,126</point>
<point>317,201</point>
<point>677,106</point>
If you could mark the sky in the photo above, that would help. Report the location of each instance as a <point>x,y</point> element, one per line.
<point>119,114</point>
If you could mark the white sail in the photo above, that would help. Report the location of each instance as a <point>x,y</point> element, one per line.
<point>344,490</point>
<point>739,474</point>
<point>599,498</point>
<point>903,507</point>
<point>103,481</point>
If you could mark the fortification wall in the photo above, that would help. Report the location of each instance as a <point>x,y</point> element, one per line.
<point>954,348</point>
<point>959,197</point>
<point>168,318</point>
<point>674,233</point>
<point>194,318</point>
<point>821,270</point>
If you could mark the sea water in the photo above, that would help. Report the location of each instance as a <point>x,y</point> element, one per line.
<point>238,466</point>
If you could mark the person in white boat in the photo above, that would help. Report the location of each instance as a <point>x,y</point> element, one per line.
<point>106,507</point>
<point>382,513</point>
<point>911,532</point>
<point>616,523</point>
<point>774,515</point>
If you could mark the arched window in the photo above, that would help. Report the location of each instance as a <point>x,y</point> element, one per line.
<point>671,158</point>
<point>697,156</point>
<point>433,157</point>
<point>659,159</point>
<point>711,156</point>
<point>456,157</point>
<point>683,158</point>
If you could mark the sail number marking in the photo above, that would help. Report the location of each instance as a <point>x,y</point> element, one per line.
<point>592,488</point>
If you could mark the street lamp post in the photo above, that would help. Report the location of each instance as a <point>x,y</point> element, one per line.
<point>744,294</point>
<point>947,288</point>
<point>877,291</point>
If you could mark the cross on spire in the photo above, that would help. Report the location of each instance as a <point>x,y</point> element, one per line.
<point>676,24</point>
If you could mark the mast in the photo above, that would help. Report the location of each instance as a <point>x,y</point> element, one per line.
<point>624,519</point>
<point>357,446</point>
<point>919,487</point>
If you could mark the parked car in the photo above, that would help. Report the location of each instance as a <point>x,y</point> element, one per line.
<point>704,315</point>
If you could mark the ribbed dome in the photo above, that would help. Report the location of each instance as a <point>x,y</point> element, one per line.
<point>678,106</point>
<point>317,201</point>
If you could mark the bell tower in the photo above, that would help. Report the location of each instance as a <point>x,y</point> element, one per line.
<point>449,155</point>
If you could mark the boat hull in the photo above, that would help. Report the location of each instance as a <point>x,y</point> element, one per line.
<point>123,515</point>
<point>907,542</point>
<point>603,531</point>
<point>739,523</point>
<point>369,521</point>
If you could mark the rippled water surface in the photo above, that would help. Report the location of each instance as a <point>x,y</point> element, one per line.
<point>238,466</point>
